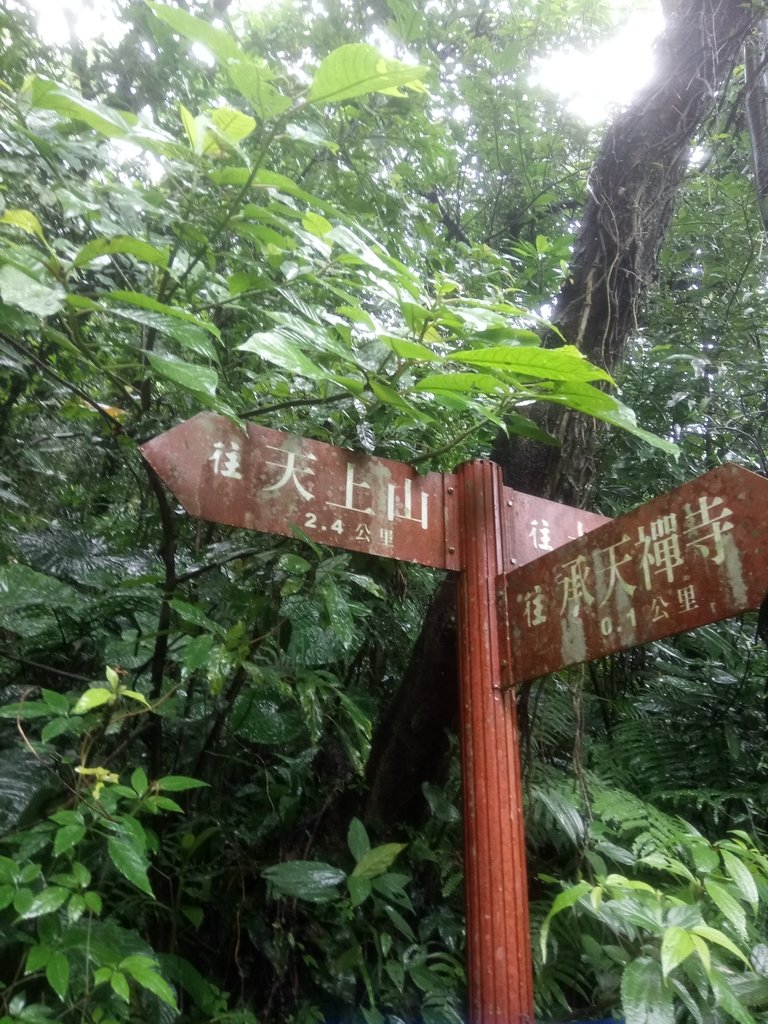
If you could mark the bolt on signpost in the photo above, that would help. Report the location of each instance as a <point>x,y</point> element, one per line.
<point>542,586</point>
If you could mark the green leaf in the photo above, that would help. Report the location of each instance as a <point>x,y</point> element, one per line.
<point>425,979</point>
<point>590,400</point>
<point>189,335</point>
<point>357,839</point>
<point>389,396</point>
<point>728,906</point>
<point>130,862</point>
<point>562,901</point>
<point>253,82</point>
<point>93,902</point>
<point>43,94</point>
<point>305,879</point>
<point>194,614</point>
<point>714,935</point>
<point>405,349</point>
<point>742,878</point>
<point>399,922</point>
<point>644,996</point>
<point>139,781</point>
<point>57,702</point>
<point>727,1000</point>
<point>121,244</point>
<point>178,783</point>
<point>57,973</point>
<point>197,651</point>
<point>147,302</point>
<point>220,43</point>
<point>144,971</point>
<point>26,221</point>
<point>19,289</point>
<point>275,348</point>
<point>45,902</point>
<point>231,124</point>
<point>376,861</point>
<point>200,379</point>
<point>37,958</point>
<point>119,984</point>
<point>67,837</point>
<point>93,698</point>
<point>358,68</point>
<point>135,695</point>
<point>359,890</point>
<point>564,363</point>
<point>466,383</point>
<point>703,950</point>
<point>194,128</point>
<point>676,946</point>
<point>22,901</point>
<point>316,224</point>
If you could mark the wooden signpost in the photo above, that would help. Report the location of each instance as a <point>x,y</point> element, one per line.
<point>541,586</point>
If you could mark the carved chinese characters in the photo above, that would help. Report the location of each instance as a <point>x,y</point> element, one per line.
<point>535,526</point>
<point>692,556</point>
<point>274,482</point>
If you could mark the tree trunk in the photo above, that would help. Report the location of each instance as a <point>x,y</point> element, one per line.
<point>633,185</point>
<point>756,106</point>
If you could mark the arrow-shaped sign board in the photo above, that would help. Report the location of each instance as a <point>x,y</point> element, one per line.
<point>263,479</point>
<point>695,555</point>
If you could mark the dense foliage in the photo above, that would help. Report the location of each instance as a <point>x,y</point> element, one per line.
<point>265,216</point>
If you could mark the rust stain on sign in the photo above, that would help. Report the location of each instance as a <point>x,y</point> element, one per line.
<point>263,479</point>
<point>695,555</point>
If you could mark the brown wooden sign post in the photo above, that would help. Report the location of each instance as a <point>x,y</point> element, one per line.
<point>535,595</point>
<point>467,521</point>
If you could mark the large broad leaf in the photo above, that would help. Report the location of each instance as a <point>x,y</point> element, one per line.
<point>44,94</point>
<point>676,945</point>
<point>726,999</point>
<point>130,862</point>
<point>137,247</point>
<point>19,289</point>
<point>201,379</point>
<point>644,996</point>
<point>26,221</point>
<point>728,906</point>
<point>220,43</point>
<point>253,81</point>
<point>590,400</point>
<point>275,348</point>
<point>189,335</point>
<point>305,879</point>
<point>742,878</point>
<point>357,839</point>
<point>231,124</point>
<point>144,970</point>
<point>147,302</point>
<point>565,363</point>
<point>358,68</point>
<point>464,383</point>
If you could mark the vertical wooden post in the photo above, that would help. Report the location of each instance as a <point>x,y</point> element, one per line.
<point>498,940</point>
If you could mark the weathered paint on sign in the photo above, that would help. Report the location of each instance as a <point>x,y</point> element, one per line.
<point>695,555</point>
<point>534,526</point>
<point>263,479</point>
